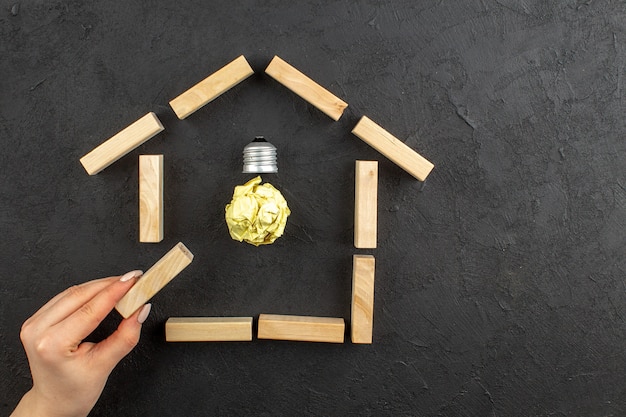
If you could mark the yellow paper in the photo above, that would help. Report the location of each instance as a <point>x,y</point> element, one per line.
<point>257,214</point>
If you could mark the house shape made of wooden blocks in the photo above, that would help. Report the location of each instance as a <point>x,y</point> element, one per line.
<point>270,326</point>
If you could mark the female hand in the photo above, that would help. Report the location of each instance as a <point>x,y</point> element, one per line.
<point>69,374</point>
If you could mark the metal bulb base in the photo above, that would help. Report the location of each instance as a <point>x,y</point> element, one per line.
<point>259,157</point>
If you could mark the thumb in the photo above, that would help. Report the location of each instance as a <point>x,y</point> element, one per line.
<point>119,344</point>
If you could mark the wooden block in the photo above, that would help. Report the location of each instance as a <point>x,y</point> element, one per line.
<point>301,328</point>
<point>365,204</point>
<point>362,321</point>
<point>306,88</point>
<point>122,143</point>
<point>150,198</point>
<point>208,329</point>
<point>394,149</point>
<point>211,87</point>
<point>155,279</point>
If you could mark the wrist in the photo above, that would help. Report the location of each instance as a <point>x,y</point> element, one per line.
<point>33,404</point>
<point>29,405</point>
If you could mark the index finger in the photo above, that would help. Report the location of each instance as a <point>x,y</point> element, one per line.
<point>86,318</point>
<point>60,306</point>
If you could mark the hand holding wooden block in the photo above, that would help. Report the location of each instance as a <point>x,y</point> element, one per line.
<point>306,88</point>
<point>208,329</point>
<point>362,320</point>
<point>150,198</point>
<point>301,328</point>
<point>121,144</point>
<point>397,151</point>
<point>155,279</point>
<point>211,87</point>
<point>366,204</point>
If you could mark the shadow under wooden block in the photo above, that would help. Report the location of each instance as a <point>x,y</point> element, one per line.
<point>208,329</point>
<point>157,277</point>
<point>301,328</point>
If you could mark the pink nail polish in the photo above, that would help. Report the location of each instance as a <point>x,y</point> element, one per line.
<point>130,275</point>
<point>143,314</point>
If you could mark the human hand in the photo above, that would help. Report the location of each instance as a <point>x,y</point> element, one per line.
<point>69,374</point>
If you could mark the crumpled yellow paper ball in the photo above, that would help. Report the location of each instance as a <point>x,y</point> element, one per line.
<point>257,214</point>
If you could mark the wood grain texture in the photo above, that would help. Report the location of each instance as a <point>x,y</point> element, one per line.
<point>150,198</point>
<point>362,320</point>
<point>306,88</point>
<point>208,329</point>
<point>301,328</point>
<point>211,87</point>
<point>121,144</point>
<point>157,277</point>
<point>394,149</point>
<point>366,204</point>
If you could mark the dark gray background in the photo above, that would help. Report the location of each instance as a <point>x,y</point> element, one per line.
<point>500,285</point>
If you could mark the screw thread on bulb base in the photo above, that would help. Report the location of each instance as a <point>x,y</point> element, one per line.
<point>259,157</point>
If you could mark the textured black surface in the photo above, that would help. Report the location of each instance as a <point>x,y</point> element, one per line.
<point>500,286</point>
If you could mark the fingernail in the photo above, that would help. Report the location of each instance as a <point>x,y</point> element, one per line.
<point>143,314</point>
<point>130,275</point>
